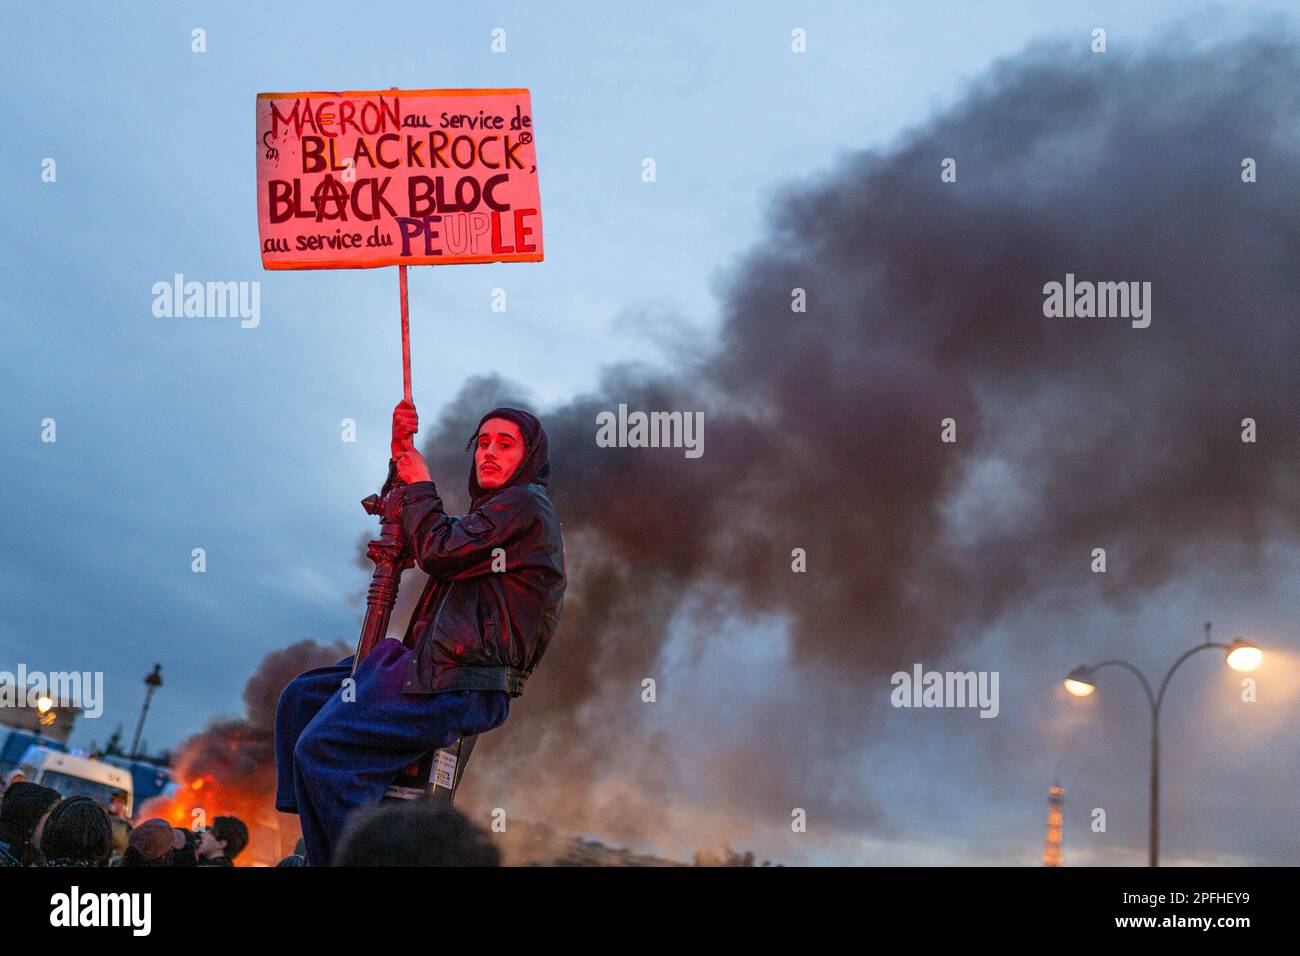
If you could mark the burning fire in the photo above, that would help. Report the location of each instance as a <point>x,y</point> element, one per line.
<point>228,768</point>
<point>201,799</point>
<point>188,809</point>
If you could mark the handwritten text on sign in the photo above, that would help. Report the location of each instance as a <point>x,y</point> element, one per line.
<point>396,177</point>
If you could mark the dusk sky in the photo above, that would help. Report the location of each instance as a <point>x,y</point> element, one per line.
<point>183,433</point>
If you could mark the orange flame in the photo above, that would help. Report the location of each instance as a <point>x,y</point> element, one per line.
<point>199,801</point>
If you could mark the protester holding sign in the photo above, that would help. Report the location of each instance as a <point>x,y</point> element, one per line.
<point>393,177</point>
<point>495,592</point>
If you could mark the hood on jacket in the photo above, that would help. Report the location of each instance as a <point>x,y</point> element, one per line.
<point>535,466</point>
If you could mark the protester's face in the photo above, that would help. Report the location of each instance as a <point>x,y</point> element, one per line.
<point>208,844</point>
<point>500,450</point>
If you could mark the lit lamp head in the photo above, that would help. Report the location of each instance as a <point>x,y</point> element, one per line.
<point>1080,683</point>
<point>45,713</point>
<point>1243,656</point>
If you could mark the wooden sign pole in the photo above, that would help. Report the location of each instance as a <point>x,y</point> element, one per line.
<point>406,336</point>
<point>389,551</point>
<point>438,773</point>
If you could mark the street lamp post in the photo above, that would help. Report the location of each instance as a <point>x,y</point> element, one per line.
<point>153,682</point>
<point>1240,656</point>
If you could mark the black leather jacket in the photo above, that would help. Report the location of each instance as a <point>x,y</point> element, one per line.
<point>486,616</point>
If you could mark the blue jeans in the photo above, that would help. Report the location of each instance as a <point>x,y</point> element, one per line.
<point>334,755</point>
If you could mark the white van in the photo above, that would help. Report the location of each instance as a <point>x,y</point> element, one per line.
<point>76,776</point>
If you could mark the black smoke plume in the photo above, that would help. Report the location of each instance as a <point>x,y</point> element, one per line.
<point>822,428</point>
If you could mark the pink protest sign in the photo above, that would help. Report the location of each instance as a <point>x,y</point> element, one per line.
<point>396,177</point>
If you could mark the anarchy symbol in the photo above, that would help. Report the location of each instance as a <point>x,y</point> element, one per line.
<point>330,190</point>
